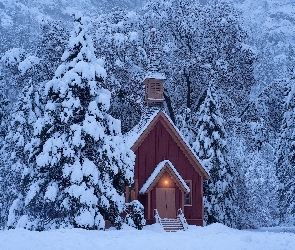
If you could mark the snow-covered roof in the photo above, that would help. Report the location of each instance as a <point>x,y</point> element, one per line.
<point>148,116</point>
<point>157,171</point>
<point>155,75</point>
<point>156,99</point>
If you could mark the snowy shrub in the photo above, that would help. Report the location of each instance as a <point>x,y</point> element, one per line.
<point>134,214</point>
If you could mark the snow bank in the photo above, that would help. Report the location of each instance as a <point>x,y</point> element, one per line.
<point>216,236</point>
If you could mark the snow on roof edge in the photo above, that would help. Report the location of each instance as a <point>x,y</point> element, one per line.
<point>154,175</point>
<point>155,75</point>
<point>132,136</point>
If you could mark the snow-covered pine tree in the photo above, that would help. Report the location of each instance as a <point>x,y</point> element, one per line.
<point>4,102</point>
<point>285,159</point>
<point>81,162</point>
<point>10,70</point>
<point>50,48</point>
<point>20,69</point>
<point>4,113</point>
<point>15,154</point>
<point>251,202</point>
<point>210,145</point>
<point>261,183</point>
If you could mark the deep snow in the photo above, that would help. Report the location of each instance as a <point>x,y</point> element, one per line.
<point>214,236</point>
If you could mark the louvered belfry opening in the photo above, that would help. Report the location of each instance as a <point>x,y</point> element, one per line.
<point>154,79</point>
<point>154,90</point>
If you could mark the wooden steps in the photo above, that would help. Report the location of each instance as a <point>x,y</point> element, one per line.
<point>172,225</point>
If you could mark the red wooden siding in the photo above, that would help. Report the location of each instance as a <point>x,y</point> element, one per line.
<point>159,145</point>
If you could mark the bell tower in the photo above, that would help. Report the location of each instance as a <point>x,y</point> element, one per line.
<point>154,79</point>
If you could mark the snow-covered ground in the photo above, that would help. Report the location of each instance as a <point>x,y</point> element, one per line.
<point>214,237</point>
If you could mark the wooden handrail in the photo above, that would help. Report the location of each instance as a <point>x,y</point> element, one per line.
<point>157,216</point>
<point>182,219</point>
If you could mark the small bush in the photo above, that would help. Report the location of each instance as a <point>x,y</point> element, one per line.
<point>134,214</point>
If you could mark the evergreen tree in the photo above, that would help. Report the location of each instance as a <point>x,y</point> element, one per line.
<point>261,183</point>
<point>15,152</point>
<point>285,159</point>
<point>50,48</point>
<point>11,74</point>
<point>80,163</point>
<point>4,114</point>
<point>21,68</point>
<point>210,145</point>
<point>256,183</point>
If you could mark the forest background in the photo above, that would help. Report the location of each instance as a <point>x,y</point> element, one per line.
<point>230,63</point>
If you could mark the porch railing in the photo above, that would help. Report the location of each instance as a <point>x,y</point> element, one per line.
<point>182,219</point>
<point>157,216</point>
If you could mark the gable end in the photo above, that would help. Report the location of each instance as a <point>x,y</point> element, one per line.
<point>161,117</point>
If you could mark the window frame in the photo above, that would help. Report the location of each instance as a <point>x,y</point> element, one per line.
<point>131,192</point>
<point>189,183</point>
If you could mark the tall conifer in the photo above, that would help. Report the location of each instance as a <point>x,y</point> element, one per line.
<point>211,147</point>
<point>80,161</point>
<point>285,160</point>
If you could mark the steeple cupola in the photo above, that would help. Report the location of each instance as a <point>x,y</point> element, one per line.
<point>154,79</point>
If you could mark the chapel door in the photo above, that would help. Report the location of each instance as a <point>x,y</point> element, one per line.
<point>165,202</point>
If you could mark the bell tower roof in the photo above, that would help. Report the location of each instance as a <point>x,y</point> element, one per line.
<point>154,58</point>
<point>154,78</point>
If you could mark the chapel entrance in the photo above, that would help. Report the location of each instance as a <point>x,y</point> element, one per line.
<point>165,202</point>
